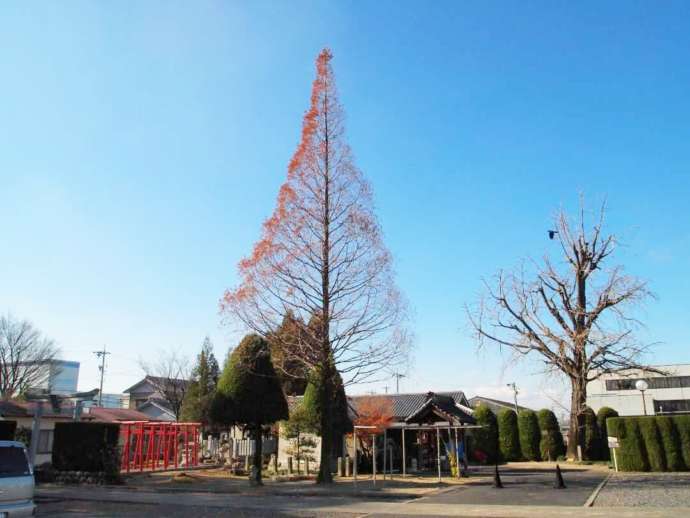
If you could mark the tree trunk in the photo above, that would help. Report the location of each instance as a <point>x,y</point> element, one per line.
<point>326,402</point>
<point>578,403</point>
<point>255,477</point>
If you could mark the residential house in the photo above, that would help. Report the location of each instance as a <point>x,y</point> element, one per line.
<point>156,397</point>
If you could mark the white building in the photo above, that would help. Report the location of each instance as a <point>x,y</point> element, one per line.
<point>665,394</point>
<point>60,377</point>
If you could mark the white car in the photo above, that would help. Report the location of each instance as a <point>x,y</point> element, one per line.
<point>16,481</point>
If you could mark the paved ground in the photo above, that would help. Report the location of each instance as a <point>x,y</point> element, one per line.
<point>528,492</point>
<point>522,486</point>
<point>646,490</point>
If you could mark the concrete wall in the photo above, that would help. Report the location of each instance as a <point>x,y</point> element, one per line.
<point>629,402</point>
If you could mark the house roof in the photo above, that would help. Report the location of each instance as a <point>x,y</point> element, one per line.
<point>444,407</point>
<point>155,382</point>
<point>113,415</point>
<point>496,405</point>
<point>406,404</point>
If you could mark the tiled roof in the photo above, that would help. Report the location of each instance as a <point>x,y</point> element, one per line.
<point>405,404</point>
<point>495,405</point>
<point>444,407</point>
<point>113,415</point>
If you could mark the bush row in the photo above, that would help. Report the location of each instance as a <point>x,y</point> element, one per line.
<point>509,437</point>
<point>654,443</point>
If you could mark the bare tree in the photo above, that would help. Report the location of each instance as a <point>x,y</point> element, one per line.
<point>576,315</point>
<point>169,375</point>
<point>25,357</point>
<point>322,261</point>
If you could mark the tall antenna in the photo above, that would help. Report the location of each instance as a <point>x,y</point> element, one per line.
<point>101,354</point>
<point>397,376</point>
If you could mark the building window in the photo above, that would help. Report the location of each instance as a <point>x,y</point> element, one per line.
<point>671,406</point>
<point>45,441</point>
<point>662,382</point>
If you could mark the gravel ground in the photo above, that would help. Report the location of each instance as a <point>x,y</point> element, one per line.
<point>646,490</point>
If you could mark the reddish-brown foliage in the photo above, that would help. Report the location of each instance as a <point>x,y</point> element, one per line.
<point>374,411</point>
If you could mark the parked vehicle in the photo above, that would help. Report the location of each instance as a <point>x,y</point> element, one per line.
<point>16,481</point>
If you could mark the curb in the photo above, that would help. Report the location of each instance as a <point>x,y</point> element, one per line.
<point>597,490</point>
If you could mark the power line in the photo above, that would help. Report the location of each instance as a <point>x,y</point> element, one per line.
<point>101,354</point>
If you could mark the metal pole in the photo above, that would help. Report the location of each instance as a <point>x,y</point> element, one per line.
<point>644,403</point>
<point>373,442</point>
<point>101,354</point>
<point>404,459</point>
<point>385,449</point>
<point>438,454</point>
<point>354,465</point>
<point>35,432</point>
<point>457,453</point>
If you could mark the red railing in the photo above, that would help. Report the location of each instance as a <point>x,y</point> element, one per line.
<point>153,446</point>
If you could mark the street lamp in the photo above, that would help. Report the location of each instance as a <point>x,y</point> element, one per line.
<point>642,385</point>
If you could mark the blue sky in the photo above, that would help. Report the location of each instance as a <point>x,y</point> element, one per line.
<point>143,143</point>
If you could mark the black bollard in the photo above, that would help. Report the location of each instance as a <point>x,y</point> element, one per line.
<point>559,479</point>
<point>497,479</point>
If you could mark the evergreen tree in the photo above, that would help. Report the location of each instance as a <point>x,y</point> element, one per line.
<point>485,439</point>
<point>591,441</point>
<point>508,437</point>
<point>250,387</point>
<point>528,428</point>
<point>551,443</point>
<point>602,415</point>
<point>196,405</point>
<point>292,372</point>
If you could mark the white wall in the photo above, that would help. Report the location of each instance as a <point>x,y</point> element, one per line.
<point>629,402</point>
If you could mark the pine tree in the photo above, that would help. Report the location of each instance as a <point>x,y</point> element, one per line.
<point>196,405</point>
<point>250,387</point>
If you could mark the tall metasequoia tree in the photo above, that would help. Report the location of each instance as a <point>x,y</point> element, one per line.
<point>321,253</point>
<point>576,316</point>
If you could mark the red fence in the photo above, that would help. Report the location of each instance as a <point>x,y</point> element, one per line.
<point>151,446</point>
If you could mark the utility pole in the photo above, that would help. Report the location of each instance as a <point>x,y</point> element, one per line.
<point>515,393</point>
<point>397,377</point>
<point>101,354</point>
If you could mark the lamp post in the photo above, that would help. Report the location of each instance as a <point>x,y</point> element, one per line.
<point>642,385</point>
<point>515,393</point>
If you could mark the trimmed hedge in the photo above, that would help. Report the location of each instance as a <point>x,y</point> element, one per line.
<point>602,415</point>
<point>485,440</point>
<point>551,444</point>
<point>7,429</point>
<point>91,447</point>
<point>656,443</point>
<point>682,423</point>
<point>508,437</point>
<point>528,427</point>
<point>591,441</point>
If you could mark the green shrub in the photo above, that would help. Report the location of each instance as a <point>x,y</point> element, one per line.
<point>631,453</point>
<point>682,423</point>
<point>591,449</point>
<point>551,444</point>
<point>7,429</point>
<point>508,437</point>
<point>88,447</point>
<point>671,443</point>
<point>653,444</point>
<point>528,427</point>
<point>485,439</point>
<point>602,415</point>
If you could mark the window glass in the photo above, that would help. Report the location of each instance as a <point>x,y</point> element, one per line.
<point>13,462</point>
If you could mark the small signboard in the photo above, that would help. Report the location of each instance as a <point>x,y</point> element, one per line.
<point>613,442</point>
